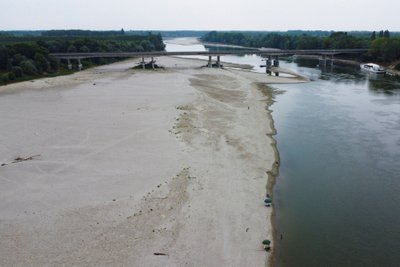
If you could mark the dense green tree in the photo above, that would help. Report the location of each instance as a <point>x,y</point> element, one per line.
<point>17,59</point>
<point>71,49</point>
<point>29,67</point>
<point>308,42</point>
<point>157,42</point>
<point>41,63</point>
<point>4,77</point>
<point>84,49</point>
<point>42,44</point>
<point>4,55</point>
<point>386,49</point>
<point>28,50</point>
<point>139,48</point>
<point>11,76</point>
<point>147,46</point>
<point>18,72</point>
<point>54,63</point>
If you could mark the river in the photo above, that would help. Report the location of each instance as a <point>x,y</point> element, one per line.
<point>337,196</point>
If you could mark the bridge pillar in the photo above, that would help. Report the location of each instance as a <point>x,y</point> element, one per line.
<point>79,64</point>
<point>143,64</point>
<point>276,61</point>
<point>331,60</point>
<point>209,62</point>
<point>152,63</point>
<point>69,64</point>
<point>269,65</point>
<point>322,60</point>
<point>218,61</point>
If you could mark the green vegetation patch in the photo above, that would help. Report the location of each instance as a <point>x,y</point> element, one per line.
<point>383,46</point>
<point>26,57</point>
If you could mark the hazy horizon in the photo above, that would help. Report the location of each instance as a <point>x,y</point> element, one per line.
<point>201,30</point>
<point>207,15</point>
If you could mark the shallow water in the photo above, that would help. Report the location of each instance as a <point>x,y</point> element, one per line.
<point>337,195</point>
<point>337,198</point>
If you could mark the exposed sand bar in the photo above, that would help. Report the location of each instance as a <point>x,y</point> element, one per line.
<point>108,166</point>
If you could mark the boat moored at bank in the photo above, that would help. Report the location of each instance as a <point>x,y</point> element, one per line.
<point>373,68</point>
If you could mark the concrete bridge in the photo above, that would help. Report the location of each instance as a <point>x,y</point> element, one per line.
<point>271,55</point>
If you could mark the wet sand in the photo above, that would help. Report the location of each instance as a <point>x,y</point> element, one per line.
<point>114,166</point>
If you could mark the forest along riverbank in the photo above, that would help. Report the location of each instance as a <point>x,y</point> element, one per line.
<point>115,166</point>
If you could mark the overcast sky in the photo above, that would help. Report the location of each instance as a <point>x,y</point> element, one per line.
<point>200,15</point>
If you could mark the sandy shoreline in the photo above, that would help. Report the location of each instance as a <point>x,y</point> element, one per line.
<point>131,163</point>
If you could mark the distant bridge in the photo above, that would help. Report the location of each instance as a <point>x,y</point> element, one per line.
<point>262,52</point>
<point>268,53</point>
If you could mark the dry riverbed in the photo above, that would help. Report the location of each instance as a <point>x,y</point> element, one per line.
<point>114,166</point>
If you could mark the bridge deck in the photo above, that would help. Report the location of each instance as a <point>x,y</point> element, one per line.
<point>262,52</point>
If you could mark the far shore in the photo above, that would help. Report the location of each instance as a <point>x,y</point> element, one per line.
<point>115,166</point>
<point>192,40</point>
<point>390,69</point>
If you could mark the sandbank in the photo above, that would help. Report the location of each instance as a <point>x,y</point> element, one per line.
<point>113,166</point>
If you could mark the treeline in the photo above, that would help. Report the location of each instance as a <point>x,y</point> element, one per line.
<point>9,39</point>
<point>335,40</point>
<point>385,49</point>
<point>81,33</point>
<point>29,57</point>
<point>88,33</point>
<point>20,33</point>
<point>19,60</point>
<point>382,46</point>
<point>102,44</point>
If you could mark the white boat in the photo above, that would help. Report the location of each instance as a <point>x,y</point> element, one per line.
<point>374,68</point>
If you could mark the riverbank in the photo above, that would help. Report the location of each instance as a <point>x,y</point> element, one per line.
<point>390,68</point>
<point>114,166</point>
<point>394,69</point>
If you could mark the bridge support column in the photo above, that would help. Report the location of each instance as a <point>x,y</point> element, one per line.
<point>209,62</point>
<point>330,60</point>
<point>322,60</point>
<point>69,64</point>
<point>218,61</point>
<point>276,61</point>
<point>79,64</point>
<point>152,63</point>
<point>143,64</point>
<point>269,65</point>
<point>276,64</point>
